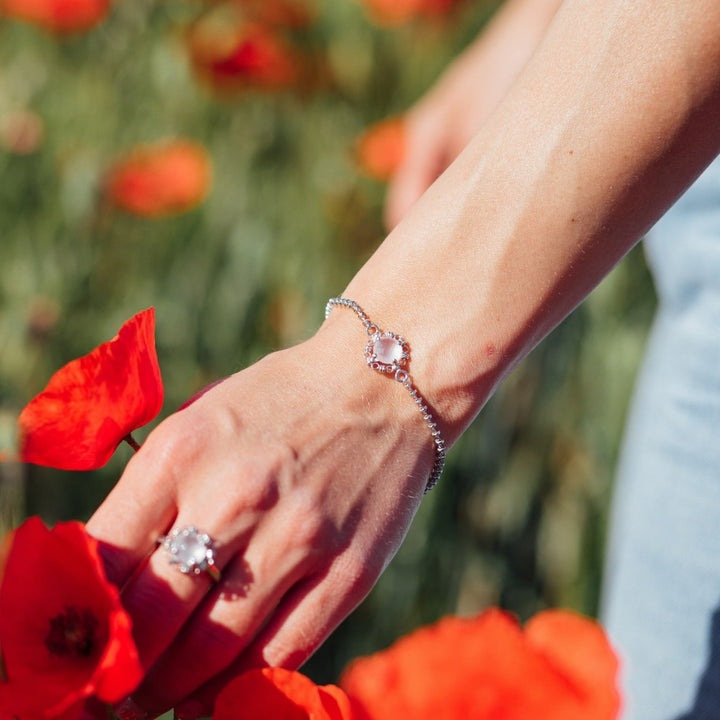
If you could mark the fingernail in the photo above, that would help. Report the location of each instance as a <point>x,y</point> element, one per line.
<point>128,709</point>
<point>190,710</point>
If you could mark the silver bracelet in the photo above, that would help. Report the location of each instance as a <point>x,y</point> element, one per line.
<point>389,353</point>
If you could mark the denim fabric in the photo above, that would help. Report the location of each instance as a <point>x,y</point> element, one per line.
<point>662,596</point>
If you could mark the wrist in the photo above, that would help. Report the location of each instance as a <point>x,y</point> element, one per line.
<point>389,353</point>
<point>376,400</point>
<point>454,374</point>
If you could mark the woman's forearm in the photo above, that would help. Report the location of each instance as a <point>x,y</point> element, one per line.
<point>611,120</point>
<point>506,44</point>
<point>444,121</point>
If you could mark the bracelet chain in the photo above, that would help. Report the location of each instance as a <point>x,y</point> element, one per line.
<point>379,345</point>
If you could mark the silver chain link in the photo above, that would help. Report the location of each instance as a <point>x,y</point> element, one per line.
<point>403,377</point>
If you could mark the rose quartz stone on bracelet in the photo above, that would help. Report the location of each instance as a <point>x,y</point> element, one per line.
<point>388,350</point>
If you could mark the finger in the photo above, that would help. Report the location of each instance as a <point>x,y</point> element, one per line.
<point>300,624</point>
<point>226,621</point>
<point>144,503</point>
<point>135,513</point>
<point>160,597</point>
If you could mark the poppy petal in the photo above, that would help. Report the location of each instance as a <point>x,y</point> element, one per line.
<point>233,51</point>
<point>5,547</point>
<point>64,646</point>
<point>60,16</point>
<point>396,12</point>
<point>281,695</point>
<point>93,402</point>
<point>486,667</point>
<point>161,179</point>
<point>579,650</point>
<point>380,149</point>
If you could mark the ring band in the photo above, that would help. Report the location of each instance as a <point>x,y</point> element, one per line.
<point>192,551</point>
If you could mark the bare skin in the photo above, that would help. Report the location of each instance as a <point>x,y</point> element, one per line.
<point>308,467</point>
<point>447,118</point>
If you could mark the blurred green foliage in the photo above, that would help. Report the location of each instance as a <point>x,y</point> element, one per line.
<point>519,516</point>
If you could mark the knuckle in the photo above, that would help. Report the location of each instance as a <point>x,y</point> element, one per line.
<point>252,487</point>
<point>169,447</point>
<point>357,571</point>
<point>311,528</point>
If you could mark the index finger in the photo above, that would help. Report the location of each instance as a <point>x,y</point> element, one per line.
<point>138,510</point>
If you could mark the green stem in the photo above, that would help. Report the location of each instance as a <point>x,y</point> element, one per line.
<point>130,440</point>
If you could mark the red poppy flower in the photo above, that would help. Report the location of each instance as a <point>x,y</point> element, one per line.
<point>232,51</point>
<point>92,403</point>
<point>58,15</point>
<point>281,695</point>
<point>5,546</point>
<point>397,12</point>
<point>161,179</point>
<point>63,632</point>
<point>560,668</point>
<point>381,148</point>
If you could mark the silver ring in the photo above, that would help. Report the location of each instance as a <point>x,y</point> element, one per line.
<point>192,551</point>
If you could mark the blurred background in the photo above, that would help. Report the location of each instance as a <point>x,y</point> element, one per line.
<point>203,158</point>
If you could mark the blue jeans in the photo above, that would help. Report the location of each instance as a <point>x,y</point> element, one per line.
<point>661,603</point>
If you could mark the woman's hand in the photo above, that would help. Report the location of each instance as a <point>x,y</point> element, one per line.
<point>306,469</point>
